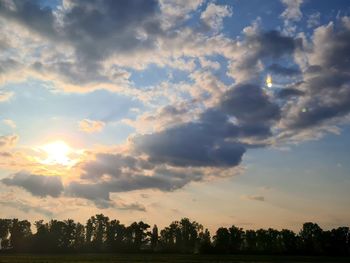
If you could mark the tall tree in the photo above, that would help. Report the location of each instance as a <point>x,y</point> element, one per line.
<point>236,239</point>
<point>222,240</point>
<point>250,240</point>
<point>311,237</point>
<point>154,237</point>
<point>20,233</point>
<point>4,232</point>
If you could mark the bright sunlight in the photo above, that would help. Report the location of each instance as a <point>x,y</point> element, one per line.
<point>57,153</point>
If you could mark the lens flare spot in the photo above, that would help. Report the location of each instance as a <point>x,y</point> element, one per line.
<point>269,81</point>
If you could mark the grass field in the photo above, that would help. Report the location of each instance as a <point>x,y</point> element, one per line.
<point>82,258</point>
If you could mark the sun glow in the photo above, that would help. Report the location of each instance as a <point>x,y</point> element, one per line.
<point>57,153</point>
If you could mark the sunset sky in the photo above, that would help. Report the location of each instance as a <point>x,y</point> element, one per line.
<point>226,112</point>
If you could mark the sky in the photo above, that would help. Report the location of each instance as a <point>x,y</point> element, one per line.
<point>226,112</point>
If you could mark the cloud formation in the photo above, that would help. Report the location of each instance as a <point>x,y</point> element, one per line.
<point>8,141</point>
<point>91,126</point>
<point>197,127</point>
<point>326,80</point>
<point>292,11</point>
<point>9,123</point>
<point>37,185</point>
<point>254,197</point>
<point>5,95</point>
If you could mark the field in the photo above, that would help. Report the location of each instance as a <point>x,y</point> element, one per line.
<point>165,258</point>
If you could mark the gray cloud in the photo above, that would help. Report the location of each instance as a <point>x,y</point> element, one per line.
<point>326,84</point>
<point>94,30</point>
<point>193,144</point>
<point>7,65</point>
<point>132,207</point>
<point>214,140</point>
<point>273,44</point>
<point>38,185</point>
<point>30,14</point>
<point>258,46</point>
<point>113,173</point>
<point>249,104</point>
<point>284,71</point>
<point>289,92</point>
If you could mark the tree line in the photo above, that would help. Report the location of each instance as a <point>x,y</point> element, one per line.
<point>101,234</point>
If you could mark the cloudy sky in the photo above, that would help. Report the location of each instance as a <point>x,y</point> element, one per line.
<point>227,112</point>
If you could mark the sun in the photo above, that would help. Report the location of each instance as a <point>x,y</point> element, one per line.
<point>57,153</point>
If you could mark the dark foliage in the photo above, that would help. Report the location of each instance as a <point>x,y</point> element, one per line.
<point>100,234</point>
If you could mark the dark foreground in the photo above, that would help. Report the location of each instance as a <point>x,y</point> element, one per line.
<point>157,258</point>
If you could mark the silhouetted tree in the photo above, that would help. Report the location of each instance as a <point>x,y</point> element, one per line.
<point>289,241</point>
<point>79,239</point>
<point>137,235</point>
<point>311,237</point>
<point>5,232</point>
<point>250,240</point>
<point>205,245</point>
<point>20,233</point>
<point>184,236</point>
<point>336,241</point>
<point>222,240</point>
<point>154,237</point>
<point>181,236</point>
<point>236,239</point>
<point>116,234</point>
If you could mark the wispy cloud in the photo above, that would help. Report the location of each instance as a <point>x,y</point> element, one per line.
<point>253,197</point>
<point>91,126</point>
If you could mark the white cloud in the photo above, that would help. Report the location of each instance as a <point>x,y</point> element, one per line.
<point>314,20</point>
<point>91,126</point>
<point>214,14</point>
<point>9,123</point>
<point>292,11</point>
<point>5,96</point>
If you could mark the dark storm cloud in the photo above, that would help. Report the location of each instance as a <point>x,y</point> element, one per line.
<point>37,185</point>
<point>281,70</point>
